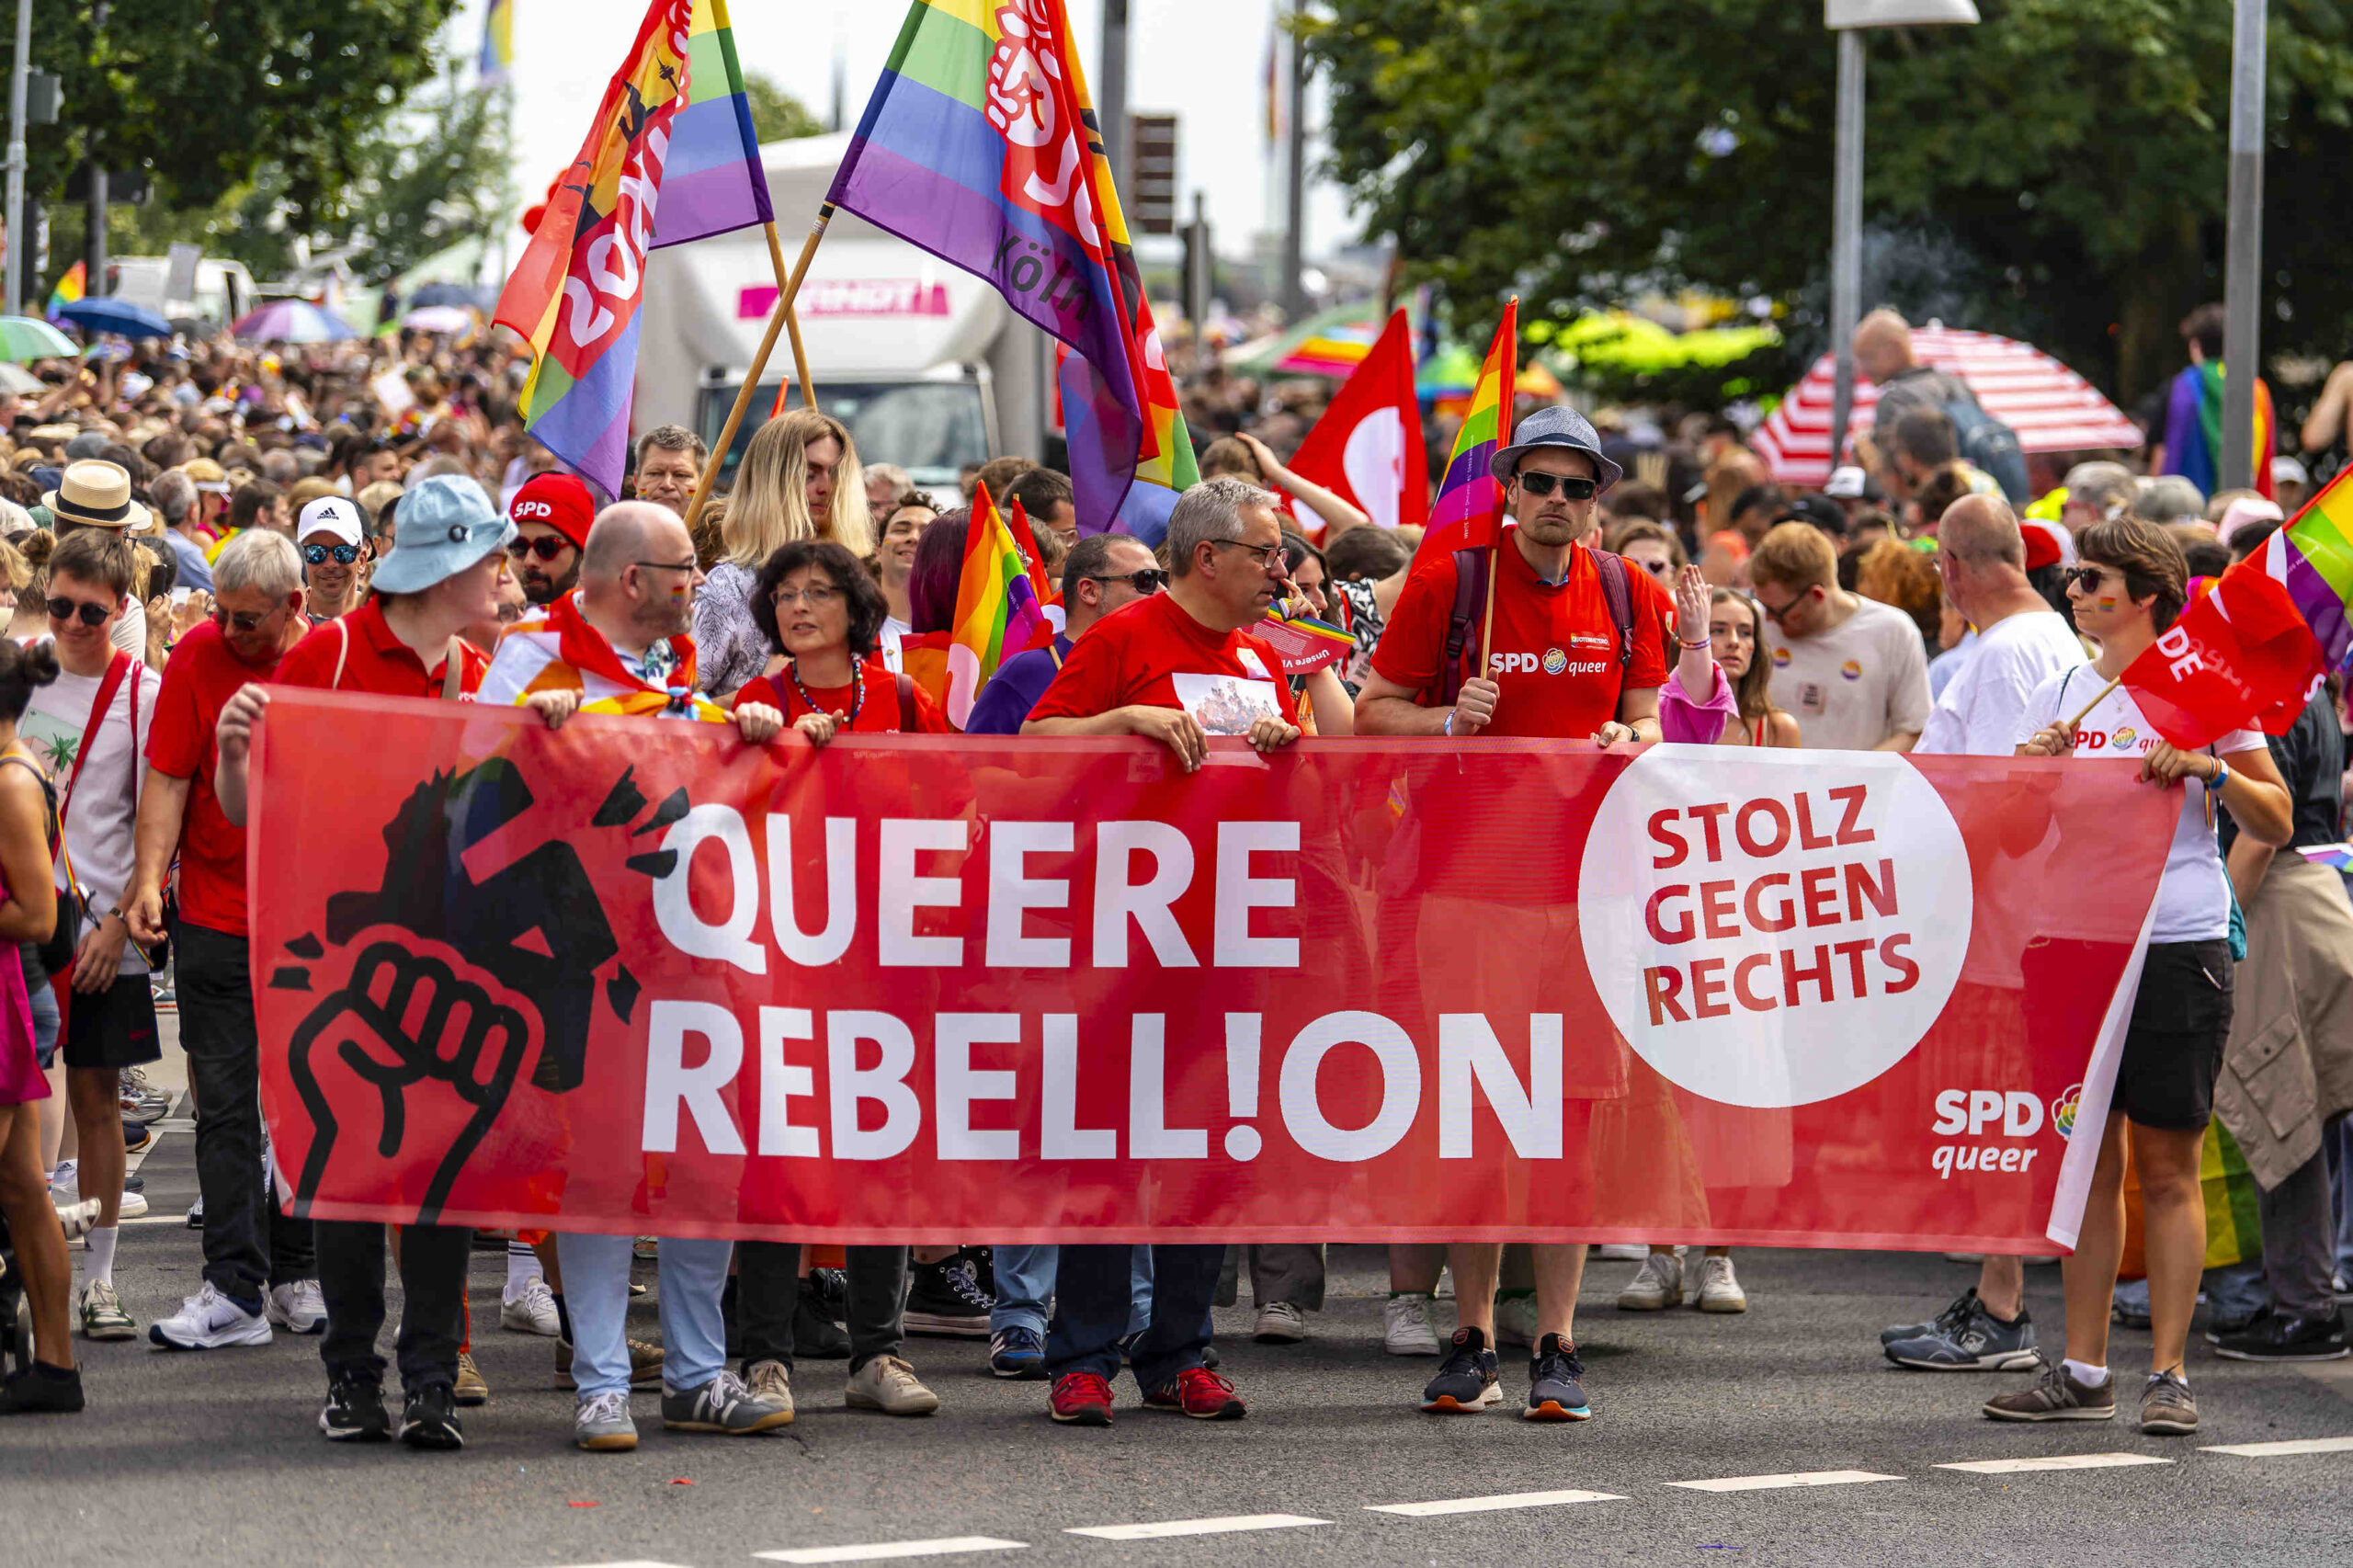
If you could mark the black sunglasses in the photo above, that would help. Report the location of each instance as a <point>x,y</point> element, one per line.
<point>62,609</point>
<point>547,547</point>
<point>1541,484</point>
<point>317,555</point>
<point>1149,581</point>
<point>2088,576</point>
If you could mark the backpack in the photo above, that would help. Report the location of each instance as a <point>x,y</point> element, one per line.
<point>1988,444</point>
<point>1469,601</point>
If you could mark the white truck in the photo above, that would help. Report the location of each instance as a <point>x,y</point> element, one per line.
<point>923,361</point>
<point>224,291</point>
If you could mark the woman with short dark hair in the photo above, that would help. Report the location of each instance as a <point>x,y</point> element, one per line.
<point>819,609</point>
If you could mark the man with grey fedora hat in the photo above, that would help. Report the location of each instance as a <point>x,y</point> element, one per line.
<point>1575,649</point>
<point>94,493</point>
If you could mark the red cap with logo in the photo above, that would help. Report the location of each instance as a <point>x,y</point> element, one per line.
<point>561,501</point>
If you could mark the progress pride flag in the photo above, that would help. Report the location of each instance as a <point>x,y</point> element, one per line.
<point>637,977</point>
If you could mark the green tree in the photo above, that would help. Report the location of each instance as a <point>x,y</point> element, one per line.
<point>777,115</point>
<point>2059,169</point>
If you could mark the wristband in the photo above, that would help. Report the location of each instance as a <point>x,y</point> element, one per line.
<point>2222,775</point>
<point>1695,647</point>
<point>1449,728</point>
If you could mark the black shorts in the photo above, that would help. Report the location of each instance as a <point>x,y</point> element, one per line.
<point>2173,1050</point>
<point>114,1028</point>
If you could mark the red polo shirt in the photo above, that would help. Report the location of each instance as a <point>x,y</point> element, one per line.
<point>358,653</point>
<point>1153,654</point>
<point>198,683</point>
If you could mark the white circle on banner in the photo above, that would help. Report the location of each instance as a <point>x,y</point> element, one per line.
<point>1374,461</point>
<point>1772,928</point>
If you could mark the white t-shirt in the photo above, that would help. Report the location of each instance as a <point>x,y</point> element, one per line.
<point>892,630</point>
<point>1978,713</point>
<point>2194,899</point>
<point>1854,686</point>
<point>99,825</point>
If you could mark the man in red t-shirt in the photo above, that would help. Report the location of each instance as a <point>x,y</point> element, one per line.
<point>1173,668</point>
<point>1559,663</point>
<point>257,1260</point>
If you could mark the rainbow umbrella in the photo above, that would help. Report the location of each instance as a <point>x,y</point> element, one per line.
<point>294,321</point>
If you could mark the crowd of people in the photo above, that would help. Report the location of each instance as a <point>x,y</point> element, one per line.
<point>182,529</point>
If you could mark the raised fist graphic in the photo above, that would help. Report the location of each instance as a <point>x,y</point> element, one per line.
<point>441,1048</point>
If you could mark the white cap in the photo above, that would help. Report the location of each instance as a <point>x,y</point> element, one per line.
<point>1846,483</point>
<point>2286,469</point>
<point>335,515</point>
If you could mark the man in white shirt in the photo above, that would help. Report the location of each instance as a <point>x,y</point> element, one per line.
<point>1854,672</point>
<point>2021,641</point>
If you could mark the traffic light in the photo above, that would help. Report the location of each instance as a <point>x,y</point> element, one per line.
<point>1152,173</point>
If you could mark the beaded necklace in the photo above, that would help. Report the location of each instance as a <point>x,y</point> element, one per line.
<point>857,688</point>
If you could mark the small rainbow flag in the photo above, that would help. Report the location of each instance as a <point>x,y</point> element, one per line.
<point>670,157</point>
<point>997,613</point>
<point>68,288</point>
<point>1304,643</point>
<point>2312,556</point>
<point>1470,502</point>
<point>497,58</point>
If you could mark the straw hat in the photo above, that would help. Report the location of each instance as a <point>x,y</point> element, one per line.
<point>98,492</point>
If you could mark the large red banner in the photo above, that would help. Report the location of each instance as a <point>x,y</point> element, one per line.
<point>638,977</point>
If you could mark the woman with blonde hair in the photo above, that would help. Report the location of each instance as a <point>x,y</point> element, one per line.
<point>800,479</point>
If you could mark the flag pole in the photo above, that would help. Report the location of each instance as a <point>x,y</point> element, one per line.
<point>777,317</point>
<point>2085,711</point>
<point>785,291</point>
<point>1507,404</point>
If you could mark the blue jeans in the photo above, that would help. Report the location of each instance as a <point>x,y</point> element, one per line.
<point>1025,1283</point>
<point>596,1295</point>
<point>1094,1297</point>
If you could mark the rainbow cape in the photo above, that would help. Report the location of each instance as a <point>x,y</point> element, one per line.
<point>2313,557</point>
<point>669,157</point>
<point>981,146</point>
<point>997,611</point>
<point>68,288</point>
<point>1470,502</point>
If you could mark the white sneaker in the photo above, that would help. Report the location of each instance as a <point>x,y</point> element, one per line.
<point>1406,1328</point>
<point>297,1307</point>
<point>195,1213</point>
<point>1516,1319</point>
<point>1657,1284</point>
<point>209,1321</point>
<point>64,1182</point>
<point>133,1205</point>
<point>1622,1252</point>
<point>1720,1289</point>
<point>77,1220</point>
<point>531,1310</point>
<point>1279,1322</point>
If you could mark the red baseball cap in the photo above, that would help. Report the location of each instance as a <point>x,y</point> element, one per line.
<point>561,501</point>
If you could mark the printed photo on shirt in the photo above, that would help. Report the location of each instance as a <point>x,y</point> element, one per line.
<point>1227,705</point>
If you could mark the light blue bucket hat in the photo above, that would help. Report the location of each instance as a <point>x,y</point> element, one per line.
<point>445,525</point>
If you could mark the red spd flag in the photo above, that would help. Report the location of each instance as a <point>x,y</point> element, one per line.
<point>1367,449</point>
<point>2240,656</point>
<point>639,978</point>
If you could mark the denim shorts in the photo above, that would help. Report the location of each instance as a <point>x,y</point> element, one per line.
<point>45,1019</point>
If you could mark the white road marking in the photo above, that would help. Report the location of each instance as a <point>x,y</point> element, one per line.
<point>1775,1483</point>
<point>876,1551</point>
<point>1224,1525</point>
<point>1491,1504</point>
<point>2054,1462</point>
<point>2294,1445</point>
<point>632,1562</point>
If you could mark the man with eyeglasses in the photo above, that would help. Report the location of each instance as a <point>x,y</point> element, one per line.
<point>258,1260</point>
<point>1853,671</point>
<point>551,514</point>
<point>1101,574</point>
<point>1577,653</point>
<point>1171,667</point>
<point>328,535</point>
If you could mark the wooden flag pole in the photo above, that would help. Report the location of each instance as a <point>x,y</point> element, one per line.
<point>2084,710</point>
<point>777,319</point>
<point>785,289</point>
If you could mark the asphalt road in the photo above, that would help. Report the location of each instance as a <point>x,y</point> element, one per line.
<point>213,1458</point>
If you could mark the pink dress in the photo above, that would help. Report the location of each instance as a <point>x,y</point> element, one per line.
<point>20,1076</point>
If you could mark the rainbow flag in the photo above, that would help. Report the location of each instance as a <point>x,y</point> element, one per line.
<point>497,58</point>
<point>68,288</point>
<point>670,157</point>
<point>2313,557</point>
<point>1470,502</point>
<point>980,145</point>
<point>997,611</point>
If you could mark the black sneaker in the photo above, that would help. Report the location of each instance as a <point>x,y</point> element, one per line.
<point>1555,1384</point>
<point>817,1331</point>
<point>41,1390</point>
<point>430,1418</point>
<point>944,1303</point>
<point>1979,1342</point>
<point>2274,1338</point>
<point>1950,1318</point>
<point>354,1411</point>
<point>1467,1381</point>
<point>2230,1323</point>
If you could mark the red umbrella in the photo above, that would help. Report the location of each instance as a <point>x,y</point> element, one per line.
<point>2052,408</point>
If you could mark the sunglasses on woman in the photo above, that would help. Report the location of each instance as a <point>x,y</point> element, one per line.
<point>547,547</point>
<point>62,609</point>
<point>2087,577</point>
<point>319,554</point>
<point>1571,489</point>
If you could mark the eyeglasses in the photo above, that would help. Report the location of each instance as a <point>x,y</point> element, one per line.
<point>1265,554</point>
<point>1571,489</point>
<point>1149,581</point>
<point>547,547</point>
<point>244,619</point>
<point>1778,616</point>
<point>318,554</point>
<point>814,595</point>
<point>656,565</point>
<point>62,609</point>
<point>2086,577</point>
<point>1657,568</point>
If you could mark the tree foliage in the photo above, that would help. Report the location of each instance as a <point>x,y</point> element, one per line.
<point>2058,171</point>
<point>777,115</point>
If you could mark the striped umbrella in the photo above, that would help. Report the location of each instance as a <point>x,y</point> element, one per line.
<point>2052,408</point>
<point>294,321</point>
<point>24,337</point>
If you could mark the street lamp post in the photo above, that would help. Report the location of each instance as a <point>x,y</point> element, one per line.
<point>2242,252</point>
<point>1849,18</point>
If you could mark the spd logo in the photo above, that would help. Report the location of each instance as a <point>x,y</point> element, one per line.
<point>1555,661</point>
<point>532,511</point>
<point>2063,1110</point>
<point>2125,736</point>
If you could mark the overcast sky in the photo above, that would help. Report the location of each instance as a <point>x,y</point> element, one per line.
<point>1202,59</point>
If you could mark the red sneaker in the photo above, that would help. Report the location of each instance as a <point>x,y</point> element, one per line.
<point>1082,1399</point>
<point>1200,1394</point>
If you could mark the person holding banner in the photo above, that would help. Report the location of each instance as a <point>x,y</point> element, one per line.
<point>2132,584</point>
<point>821,613</point>
<point>1171,667</point>
<point>800,479</point>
